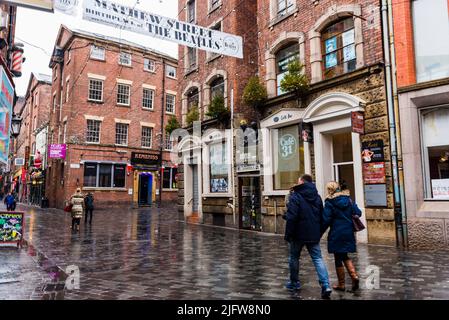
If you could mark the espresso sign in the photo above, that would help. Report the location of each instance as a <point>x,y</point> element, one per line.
<point>144,158</point>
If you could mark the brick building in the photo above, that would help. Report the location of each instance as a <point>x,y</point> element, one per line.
<point>421,43</point>
<point>340,45</point>
<point>108,99</point>
<point>32,140</point>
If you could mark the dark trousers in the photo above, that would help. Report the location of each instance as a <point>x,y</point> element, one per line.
<point>89,212</point>
<point>340,258</point>
<point>75,221</point>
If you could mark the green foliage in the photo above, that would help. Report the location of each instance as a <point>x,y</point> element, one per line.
<point>217,107</point>
<point>295,80</point>
<point>192,115</point>
<point>172,125</point>
<point>254,93</point>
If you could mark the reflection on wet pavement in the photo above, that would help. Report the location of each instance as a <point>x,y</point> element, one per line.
<point>149,254</point>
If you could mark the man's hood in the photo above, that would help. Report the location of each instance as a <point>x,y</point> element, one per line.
<point>307,190</point>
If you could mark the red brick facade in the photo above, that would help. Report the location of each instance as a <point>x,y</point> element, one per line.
<point>72,109</point>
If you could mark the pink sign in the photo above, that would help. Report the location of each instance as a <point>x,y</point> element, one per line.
<point>57,151</point>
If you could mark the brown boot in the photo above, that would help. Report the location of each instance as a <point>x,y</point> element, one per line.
<point>341,279</point>
<point>351,270</point>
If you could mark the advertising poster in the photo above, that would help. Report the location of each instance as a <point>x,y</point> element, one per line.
<point>6,102</point>
<point>57,151</point>
<point>373,151</point>
<point>374,173</point>
<point>11,226</point>
<point>440,189</point>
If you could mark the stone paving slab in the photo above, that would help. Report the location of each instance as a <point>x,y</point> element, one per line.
<point>149,254</point>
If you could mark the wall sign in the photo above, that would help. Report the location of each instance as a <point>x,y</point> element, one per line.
<point>376,195</point>
<point>374,173</point>
<point>57,151</point>
<point>144,158</point>
<point>440,189</point>
<point>6,104</point>
<point>358,122</point>
<point>19,161</point>
<point>288,146</point>
<point>373,151</point>
<point>135,20</point>
<point>248,167</point>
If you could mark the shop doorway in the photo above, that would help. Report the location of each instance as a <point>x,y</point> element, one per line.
<point>342,161</point>
<point>195,193</point>
<point>145,189</point>
<point>250,211</point>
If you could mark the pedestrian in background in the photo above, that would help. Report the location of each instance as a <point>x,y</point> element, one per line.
<point>9,202</point>
<point>77,202</point>
<point>303,226</point>
<point>338,212</point>
<point>89,205</point>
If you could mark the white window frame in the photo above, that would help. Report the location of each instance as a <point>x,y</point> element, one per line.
<point>188,17</point>
<point>95,55</point>
<point>216,136</point>
<point>125,85</point>
<point>213,6</point>
<point>99,130</point>
<point>151,137</point>
<point>125,55</point>
<point>167,73</point>
<point>172,177</point>
<point>89,90</point>
<point>64,137</point>
<point>151,62</point>
<point>153,92</point>
<point>173,94</point>
<point>126,125</point>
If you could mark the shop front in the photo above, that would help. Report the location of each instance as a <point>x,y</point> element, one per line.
<point>146,178</point>
<point>36,187</point>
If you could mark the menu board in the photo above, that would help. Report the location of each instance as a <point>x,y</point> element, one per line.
<point>11,226</point>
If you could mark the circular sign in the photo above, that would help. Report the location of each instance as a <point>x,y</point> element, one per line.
<point>231,45</point>
<point>65,5</point>
<point>288,146</point>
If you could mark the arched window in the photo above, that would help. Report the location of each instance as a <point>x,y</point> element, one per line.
<point>217,87</point>
<point>193,99</point>
<point>338,48</point>
<point>283,58</point>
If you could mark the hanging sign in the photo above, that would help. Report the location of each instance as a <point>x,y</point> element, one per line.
<point>46,5</point>
<point>187,34</point>
<point>358,122</point>
<point>373,151</point>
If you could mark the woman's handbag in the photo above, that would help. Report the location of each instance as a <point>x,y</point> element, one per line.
<point>68,208</point>
<point>357,223</point>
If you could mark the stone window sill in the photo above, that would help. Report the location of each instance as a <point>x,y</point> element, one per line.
<point>278,19</point>
<point>213,57</point>
<point>189,71</point>
<point>104,189</point>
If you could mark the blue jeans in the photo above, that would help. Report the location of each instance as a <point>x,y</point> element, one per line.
<point>314,249</point>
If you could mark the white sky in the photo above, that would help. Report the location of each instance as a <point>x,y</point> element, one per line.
<point>40,28</point>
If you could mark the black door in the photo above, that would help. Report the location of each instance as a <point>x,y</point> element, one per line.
<point>249,195</point>
<point>144,185</point>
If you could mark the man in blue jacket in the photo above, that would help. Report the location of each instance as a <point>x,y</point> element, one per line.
<point>303,228</point>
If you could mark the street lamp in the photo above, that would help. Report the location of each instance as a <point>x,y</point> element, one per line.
<point>16,121</point>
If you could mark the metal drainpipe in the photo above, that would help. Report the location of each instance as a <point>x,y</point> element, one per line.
<point>391,119</point>
<point>398,132</point>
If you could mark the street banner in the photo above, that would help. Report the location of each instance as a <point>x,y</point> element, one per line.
<point>187,34</point>
<point>11,227</point>
<point>57,151</point>
<point>46,5</point>
<point>6,102</point>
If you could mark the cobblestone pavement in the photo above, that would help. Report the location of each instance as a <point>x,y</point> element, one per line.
<point>149,254</point>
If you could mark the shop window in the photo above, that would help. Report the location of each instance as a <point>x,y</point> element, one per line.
<point>283,58</point>
<point>431,43</point>
<point>169,181</point>
<point>338,47</point>
<point>218,168</point>
<point>104,175</point>
<point>436,152</point>
<point>288,157</point>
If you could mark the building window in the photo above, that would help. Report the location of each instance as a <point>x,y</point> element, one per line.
<point>147,136</point>
<point>338,47</point>
<point>436,152</point>
<point>34,123</point>
<point>104,175</point>
<point>283,59</point>
<point>97,53</point>
<point>431,27</point>
<point>213,55</point>
<point>288,157</point>
<point>217,87</point>
<point>123,92</point>
<point>191,11</point>
<point>65,132</point>
<point>95,90</point>
<point>193,99</point>
<point>168,143</point>
<point>67,91</point>
<point>214,4</point>
<point>124,59</point>
<point>36,99</point>
<point>218,168</point>
<point>54,103</point>
<point>169,180</point>
<point>191,58</point>
<point>285,6</point>
<point>121,134</point>
<point>149,65</point>
<point>147,100</point>
<point>170,71</point>
<point>170,103</point>
<point>93,131</point>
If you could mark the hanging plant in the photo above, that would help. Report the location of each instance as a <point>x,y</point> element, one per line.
<point>172,125</point>
<point>192,115</point>
<point>295,79</point>
<point>255,93</point>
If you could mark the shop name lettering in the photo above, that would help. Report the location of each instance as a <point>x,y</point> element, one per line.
<point>146,156</point>
<point>288,144</point>
<point>104,11</point>
<point>283,117</point>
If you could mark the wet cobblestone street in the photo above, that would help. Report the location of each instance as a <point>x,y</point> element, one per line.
<point>149,254</point>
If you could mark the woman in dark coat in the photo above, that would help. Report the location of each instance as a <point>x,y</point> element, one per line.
<point>337,215</point>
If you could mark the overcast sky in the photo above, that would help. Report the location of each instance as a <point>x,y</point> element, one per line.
<point>40,28</point>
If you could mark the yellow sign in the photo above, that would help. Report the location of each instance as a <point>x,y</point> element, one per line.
<point>46,5</point>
